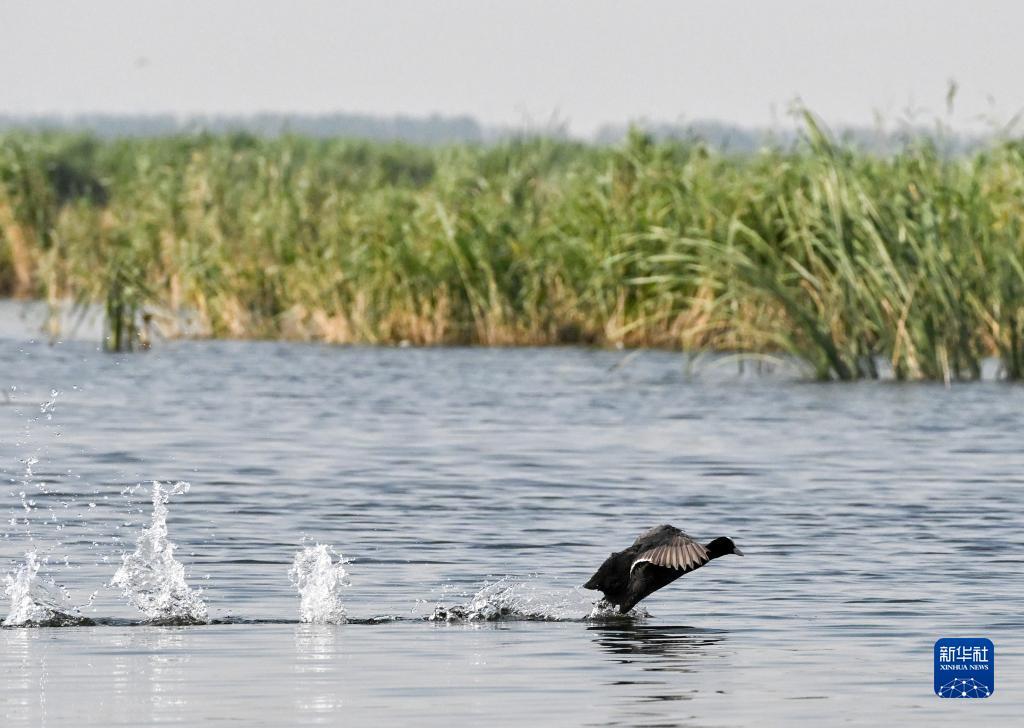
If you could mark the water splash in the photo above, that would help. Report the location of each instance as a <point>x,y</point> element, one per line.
<point>318,573</point>
<point>515,599</point>
<point>49,406</point>
<point>603,609</point>
<point>39,601</point>
<point>151,578</point>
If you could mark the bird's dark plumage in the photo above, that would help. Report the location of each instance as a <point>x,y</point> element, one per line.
<point>656,559</point>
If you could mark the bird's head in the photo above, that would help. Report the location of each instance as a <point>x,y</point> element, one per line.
<point>723,545</point>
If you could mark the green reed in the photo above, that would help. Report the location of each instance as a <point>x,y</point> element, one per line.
<point>854,263</point>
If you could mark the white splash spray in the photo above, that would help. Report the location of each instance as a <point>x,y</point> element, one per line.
<point>605,610</point>
<point>38,600</point>
<point>516,599</point>
<point>151,578</point>
<point>318,573</point>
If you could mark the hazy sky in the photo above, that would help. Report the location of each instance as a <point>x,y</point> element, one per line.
<point>516,62</point>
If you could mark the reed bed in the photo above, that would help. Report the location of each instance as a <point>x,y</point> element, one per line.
<point>860,265</point>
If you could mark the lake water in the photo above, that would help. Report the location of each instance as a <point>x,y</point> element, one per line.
<point>875,519</point>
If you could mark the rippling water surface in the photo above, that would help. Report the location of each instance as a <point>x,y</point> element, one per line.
<point>876,518</point>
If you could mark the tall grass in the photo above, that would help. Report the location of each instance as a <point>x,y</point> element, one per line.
<point>856,264</point>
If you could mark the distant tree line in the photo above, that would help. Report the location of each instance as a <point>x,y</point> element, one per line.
<point>439,130</point>
<point>427,130</point>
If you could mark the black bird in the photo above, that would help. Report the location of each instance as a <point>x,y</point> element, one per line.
<point>656,559</point>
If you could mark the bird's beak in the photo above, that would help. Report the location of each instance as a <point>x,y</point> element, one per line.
<point>736,550</point>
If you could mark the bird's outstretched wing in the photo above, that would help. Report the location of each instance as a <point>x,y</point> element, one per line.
<point>681,552</point>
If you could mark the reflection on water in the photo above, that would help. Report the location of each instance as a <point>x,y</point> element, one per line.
<point>164,666</point>
<point>316,670</point>
<point>133,677</point>
<point>656,648</point>
<point>150,670</point>
<point>23,697</point>
<point>656,662</point>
